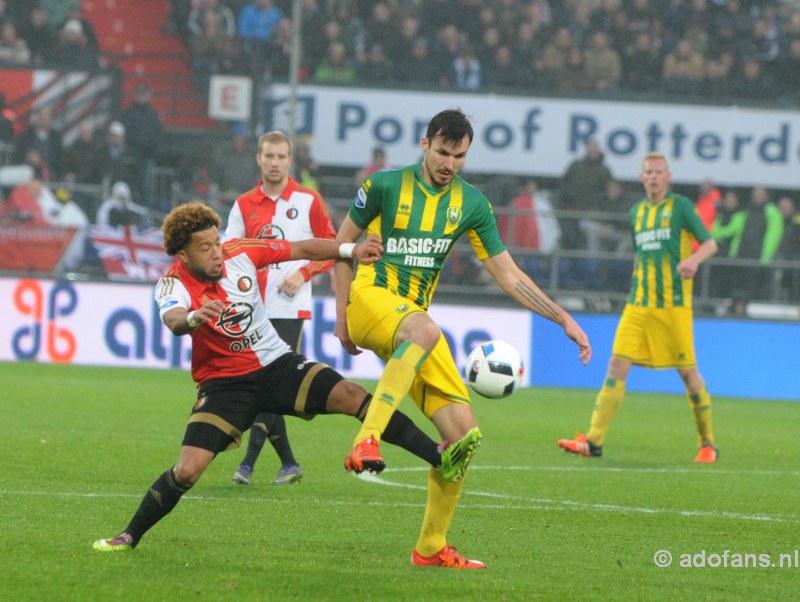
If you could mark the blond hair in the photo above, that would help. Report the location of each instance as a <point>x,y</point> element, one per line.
<point>274,137</point>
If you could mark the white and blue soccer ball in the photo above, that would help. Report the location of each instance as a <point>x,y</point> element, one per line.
<point>494,369</point>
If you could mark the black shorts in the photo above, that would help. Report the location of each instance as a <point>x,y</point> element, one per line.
<point>226,407</point>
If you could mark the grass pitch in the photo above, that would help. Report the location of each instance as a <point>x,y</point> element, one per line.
<point>80,446</point>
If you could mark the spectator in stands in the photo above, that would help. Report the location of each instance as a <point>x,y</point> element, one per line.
<point>527,44</point>
<point>306,170</point>
<point>725,280</point>
<point>233,168</point>
<point>377,162</point>
<point>81,163</point>
<point>35,203</point>
<point>117,161</point>
<point>255,26</point>
<point>197,17</point>
<point>717,79</point>
<point>23,204</point>
<point>487,47</point>
<point>760,239</point>
<point>335,67</point>
<point>376,69</point>
<point>13,49</point>
<point>708,199</point>
<point>120,210</point>
<point>73,50</point>
<point>144,132</point>
<point>602,65</point>
<point>214,50</point>
<point>502,73</point>
<point>752,83</point>
<point>409,32</point>
<point>45,139</point>
<point>466,70</point>
<point>39,35</point>
<point>583,187</point>
<point>556,51</point>
<point>685,61</point>
<point>445,48</point>
<point>787,71</point>
<point>419,70</point>
<point>380,26</point>
<point>641,65</point>
<point>76,14</point>
<point>530,227</point>
<point>7,118</point>
<point>572,77</point>
<point>790,247</point>
<point>279,53</point>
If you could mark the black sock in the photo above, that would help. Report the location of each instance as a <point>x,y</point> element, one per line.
<point>402,432</point>
<point>157,503</point>
<point>276,432</point>
<point>258,436</point>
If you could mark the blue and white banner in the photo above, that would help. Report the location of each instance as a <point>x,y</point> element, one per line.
<point>118,325</point>
<point>541,136</point>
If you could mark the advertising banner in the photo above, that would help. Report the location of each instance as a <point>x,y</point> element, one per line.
<point>541,136</point>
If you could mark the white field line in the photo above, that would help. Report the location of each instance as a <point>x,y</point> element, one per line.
<point>504,501</point>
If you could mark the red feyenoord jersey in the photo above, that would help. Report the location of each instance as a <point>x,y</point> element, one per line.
<point>241,340</point>
<point>299,214</point>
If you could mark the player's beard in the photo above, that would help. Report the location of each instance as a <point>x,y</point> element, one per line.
<point>202,275</point>
<point>435,177</point>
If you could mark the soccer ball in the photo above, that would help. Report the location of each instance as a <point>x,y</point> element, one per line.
<point>494,369</point>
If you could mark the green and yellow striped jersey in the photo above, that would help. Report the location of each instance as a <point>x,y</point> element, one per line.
<point>419,226</point>
<point>662,237</point>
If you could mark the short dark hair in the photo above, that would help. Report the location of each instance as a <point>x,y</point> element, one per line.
<point>183,221</point>
<point>451,125</point>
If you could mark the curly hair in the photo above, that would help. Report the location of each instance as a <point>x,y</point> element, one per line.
<point>183,221</point>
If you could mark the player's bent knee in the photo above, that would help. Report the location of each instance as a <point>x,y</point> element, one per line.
<point>346,398</point>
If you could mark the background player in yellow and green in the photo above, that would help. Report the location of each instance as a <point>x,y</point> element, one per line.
<point>419,212</point>
<point>655,330</point>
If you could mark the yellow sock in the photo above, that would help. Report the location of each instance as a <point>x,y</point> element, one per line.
<point>608,401</point>
<point>396,380</point>
<point>701,408</point>
<point>442,500</point>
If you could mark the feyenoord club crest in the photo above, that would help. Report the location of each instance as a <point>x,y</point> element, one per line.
<point>244,283</point>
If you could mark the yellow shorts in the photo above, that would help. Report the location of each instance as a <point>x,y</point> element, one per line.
<point>656,337</point>
<point>374,315</point>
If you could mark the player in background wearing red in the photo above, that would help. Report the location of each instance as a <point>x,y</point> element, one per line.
<point>280,208</point>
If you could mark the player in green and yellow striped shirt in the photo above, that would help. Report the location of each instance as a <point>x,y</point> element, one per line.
<point>419,212</point>
<point>655,329</point>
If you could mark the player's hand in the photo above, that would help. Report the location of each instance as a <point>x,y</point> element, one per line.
<point>688,267</point>
<point>209,311</point>
<point>575,332</point>
<point>369,251</point>
<point>340,332</point>
<point>292,284</point>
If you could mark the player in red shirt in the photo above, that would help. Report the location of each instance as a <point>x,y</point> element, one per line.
<point>280,208</point>
<point>239,362</point>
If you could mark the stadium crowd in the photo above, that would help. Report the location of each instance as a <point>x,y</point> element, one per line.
<point>697,49</point>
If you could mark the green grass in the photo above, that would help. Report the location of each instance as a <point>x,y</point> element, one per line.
<point>80,446</point>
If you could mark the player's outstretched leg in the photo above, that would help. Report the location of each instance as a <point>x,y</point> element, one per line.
<point>456,455</point>
<point>159,501</point>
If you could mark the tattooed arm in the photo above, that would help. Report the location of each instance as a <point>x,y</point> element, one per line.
<point>524,290</point>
